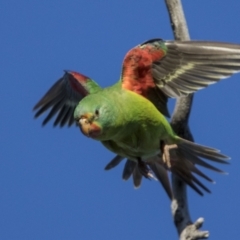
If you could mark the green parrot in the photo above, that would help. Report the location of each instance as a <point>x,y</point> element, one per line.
<point>129,118</point>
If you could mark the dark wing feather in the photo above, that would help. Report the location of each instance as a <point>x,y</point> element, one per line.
<point>192,65</point>
<point>63,97</point>
<point>128,169</point>
<point>114,162</point>
<point>157,166</point>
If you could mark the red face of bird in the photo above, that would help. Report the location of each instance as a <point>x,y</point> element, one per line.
<point>88,126</point>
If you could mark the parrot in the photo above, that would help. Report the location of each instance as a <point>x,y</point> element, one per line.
<point>130,117</point>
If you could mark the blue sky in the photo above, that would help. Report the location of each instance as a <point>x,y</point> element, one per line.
<point>52,182</point>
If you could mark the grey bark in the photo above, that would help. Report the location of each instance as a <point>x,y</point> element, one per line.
<point>187,230</point>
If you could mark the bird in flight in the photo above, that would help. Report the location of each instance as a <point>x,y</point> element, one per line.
<point>129,117</point>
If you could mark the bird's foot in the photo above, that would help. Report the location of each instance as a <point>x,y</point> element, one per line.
<point>165,149</point>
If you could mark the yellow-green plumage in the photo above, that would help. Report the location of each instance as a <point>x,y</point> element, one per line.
<point>136,127</point>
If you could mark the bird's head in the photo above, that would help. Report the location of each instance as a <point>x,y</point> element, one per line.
<point>95,116</point>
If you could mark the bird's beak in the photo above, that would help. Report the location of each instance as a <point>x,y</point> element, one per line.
<point>84,126</point>
<point>88,127</point>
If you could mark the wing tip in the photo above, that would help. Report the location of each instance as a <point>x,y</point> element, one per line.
<point>152,41</point>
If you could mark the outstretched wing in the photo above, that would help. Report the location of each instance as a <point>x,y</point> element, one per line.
<point>63,97</point>
<point>159,69</point>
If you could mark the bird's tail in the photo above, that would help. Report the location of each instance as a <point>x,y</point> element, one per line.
<point>141,169</point>
<point>185,158</point>
<point>183,162</point>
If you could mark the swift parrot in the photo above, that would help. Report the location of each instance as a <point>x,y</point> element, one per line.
<point>128,118</point>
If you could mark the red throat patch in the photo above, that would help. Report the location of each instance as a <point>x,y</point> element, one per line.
<point>91,130</point>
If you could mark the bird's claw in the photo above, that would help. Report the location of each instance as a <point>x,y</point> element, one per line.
<point>165,149</point>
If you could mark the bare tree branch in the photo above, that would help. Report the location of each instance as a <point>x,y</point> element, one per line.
<point>186,229</point>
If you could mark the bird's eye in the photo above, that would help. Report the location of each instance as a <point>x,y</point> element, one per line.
<point>97,112</point>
